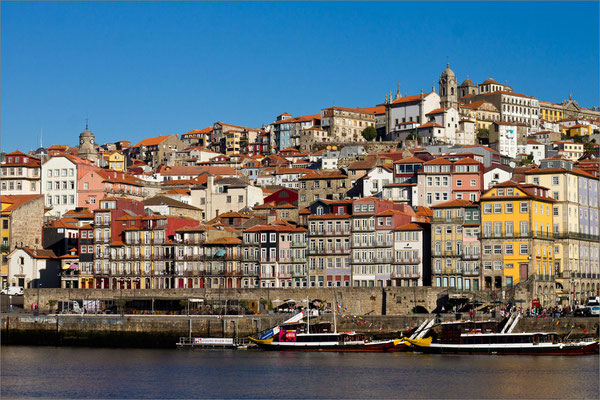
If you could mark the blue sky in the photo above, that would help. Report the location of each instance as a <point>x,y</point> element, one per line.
<point>142,69</point>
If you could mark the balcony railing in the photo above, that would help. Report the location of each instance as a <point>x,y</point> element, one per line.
<point>404,260</point>
<point>407,275</point>
<point>575,235</point>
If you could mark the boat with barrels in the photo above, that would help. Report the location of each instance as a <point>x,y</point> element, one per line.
<point>481,337</point>
<point>299,334</point>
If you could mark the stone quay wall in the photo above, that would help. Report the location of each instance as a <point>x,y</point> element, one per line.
<point>364,301</point>
<point>358,300</point>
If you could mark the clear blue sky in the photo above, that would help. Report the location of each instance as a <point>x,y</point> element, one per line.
<point>141,69</point>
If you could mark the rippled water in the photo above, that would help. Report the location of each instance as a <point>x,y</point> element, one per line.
<point>61,372</point>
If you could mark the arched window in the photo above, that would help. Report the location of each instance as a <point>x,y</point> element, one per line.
<point>452,91</point>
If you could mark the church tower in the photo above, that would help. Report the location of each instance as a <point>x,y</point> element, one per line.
<point>87,149</point>
<point>448,89</point>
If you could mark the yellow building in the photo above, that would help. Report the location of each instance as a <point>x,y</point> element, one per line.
<point>517,239</point>
<point>116,161</point>
<point>570,150</point>
<point>551,111</point>
<point>577,130</point>
<point>232,142</point>
<point>5,241</point>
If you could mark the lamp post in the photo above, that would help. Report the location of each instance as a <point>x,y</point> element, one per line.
<point>38,296</point>
<point>121,295</point>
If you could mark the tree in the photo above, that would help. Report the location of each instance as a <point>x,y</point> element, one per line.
<point>369,133</point>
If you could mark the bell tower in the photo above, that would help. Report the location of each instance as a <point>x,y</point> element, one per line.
<point>87,146</point>
<point>448,89</point>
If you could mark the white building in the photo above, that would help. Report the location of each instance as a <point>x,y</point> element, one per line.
<point>218,196</point>
<point>408,255</point>
<point>376,179</point>
<point>537,149</point>
<point>496,174</point>
<point>411,109</point>
<point>59,184</point>
<point>449,119</point>
<point>33,268</point>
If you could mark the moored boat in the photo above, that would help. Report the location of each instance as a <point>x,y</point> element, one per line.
<point>319,337</point>
<point>297,335</point>
<point>470,337</point>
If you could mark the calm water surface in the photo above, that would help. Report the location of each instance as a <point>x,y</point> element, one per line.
<point>61,372</point>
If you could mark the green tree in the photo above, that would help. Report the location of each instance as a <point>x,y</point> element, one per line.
<point>369,133</point>
<point>588,147</point>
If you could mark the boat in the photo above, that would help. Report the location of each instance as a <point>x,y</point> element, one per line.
<point>297,335</point>
<point>482,337</point>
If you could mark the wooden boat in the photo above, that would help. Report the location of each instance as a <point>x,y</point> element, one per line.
<point>470,337</point>
<point>296,335</point>
<point>319,337</point>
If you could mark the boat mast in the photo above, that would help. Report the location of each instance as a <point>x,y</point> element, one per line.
<point>307,316</point>
<point>334,312</point>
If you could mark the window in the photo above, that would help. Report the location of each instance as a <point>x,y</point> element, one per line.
<point>555,180</point>
<point>240,198</point>
<point>228,199</point>
<point>487,208</point>
<point>487,249</point>
<point>497,208</point>
<point>459,182</point>
<point>508,208</point>
<point>508,249</point>
<point>508,228</point>
<point>86,186</point>
<point>523,248</point>
<point>524,226</point>
<point>497,229</point>
<point>524,207</point>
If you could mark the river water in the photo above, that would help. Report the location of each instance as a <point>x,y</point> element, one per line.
<point>70,372</point>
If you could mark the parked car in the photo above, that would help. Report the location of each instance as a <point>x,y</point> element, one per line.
<point>593,310</point>
<point>13,291</point>
<point>581,312</point>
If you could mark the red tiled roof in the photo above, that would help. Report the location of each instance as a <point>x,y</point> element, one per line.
<point>17,201</point>
<point>429,125</point>
<point>454,203</point>
<point>410,99</point>
<point>153,141</point>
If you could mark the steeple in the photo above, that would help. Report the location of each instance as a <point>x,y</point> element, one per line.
<point>87,146</point>
<point>448,88</point>
<point>398,95</point>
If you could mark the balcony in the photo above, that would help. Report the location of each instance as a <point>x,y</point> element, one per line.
<point>373,260</point>
<point>408,260</point>
<point>446,253</point>
<point>299,244</point>
<point>470,272</point>
<point>470,256</point>
<point>330,232</point>
<point>406,275</point>
<point>444,220</point>
<point>5,248</point>
<point>575,235</point>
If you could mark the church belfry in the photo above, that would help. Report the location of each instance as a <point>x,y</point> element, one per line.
<point>87,145</point>
<point>448,89</point>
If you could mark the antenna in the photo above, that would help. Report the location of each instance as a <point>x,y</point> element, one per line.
<point>41,136</point>
<point>86,123</point>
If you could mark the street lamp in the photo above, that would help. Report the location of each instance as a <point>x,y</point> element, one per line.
<point>38,296</point>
